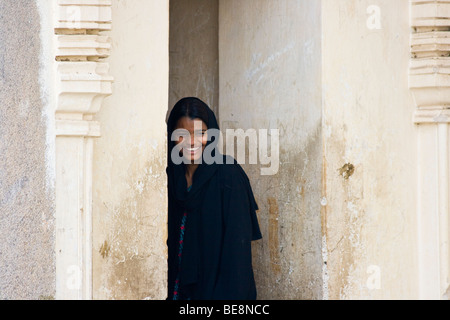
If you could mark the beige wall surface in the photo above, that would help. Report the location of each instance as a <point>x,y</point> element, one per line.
<point>370,156</point>
<point>129,189</point>
<point>270,78</point>
<point>26,189</point>
<point>339,218</point>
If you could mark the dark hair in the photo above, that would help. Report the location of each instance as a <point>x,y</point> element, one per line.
<point>193,108</point>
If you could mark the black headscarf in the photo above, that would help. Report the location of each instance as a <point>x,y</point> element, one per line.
<point>216,259</point>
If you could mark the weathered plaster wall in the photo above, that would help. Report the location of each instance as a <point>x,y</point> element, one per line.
<point>27,269</point>
<point>370,154</point>
<point>129,188</point>
<point>194,65</point>
<point>339,217</point>
<point>270,78</point>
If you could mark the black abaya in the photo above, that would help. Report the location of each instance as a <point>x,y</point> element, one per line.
<point>221,223</point>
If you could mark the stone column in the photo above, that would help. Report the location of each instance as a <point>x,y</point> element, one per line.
<point>430,84</point>
<point>81,85</point>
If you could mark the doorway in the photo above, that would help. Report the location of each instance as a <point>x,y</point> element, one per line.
<point>257,64</point>
<point>194,52</point>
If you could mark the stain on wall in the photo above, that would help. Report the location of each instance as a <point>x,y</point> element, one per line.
<point>274,243</point>
<point>347,170</point>
<point>26,204</point>
<point>104,249</point>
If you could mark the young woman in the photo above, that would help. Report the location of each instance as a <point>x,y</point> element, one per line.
<point>212,214</point>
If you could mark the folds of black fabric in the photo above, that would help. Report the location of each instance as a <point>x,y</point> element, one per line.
<point>216,261</point>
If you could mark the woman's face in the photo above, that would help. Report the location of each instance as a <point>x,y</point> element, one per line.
<point>194,141</point>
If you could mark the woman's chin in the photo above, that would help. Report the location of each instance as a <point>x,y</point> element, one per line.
<point>190,159</point>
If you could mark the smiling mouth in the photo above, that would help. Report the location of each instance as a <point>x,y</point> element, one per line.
<point>192,149</point>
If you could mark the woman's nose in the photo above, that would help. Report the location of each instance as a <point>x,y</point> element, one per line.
<point>192,140</point>
<point>195,140</point>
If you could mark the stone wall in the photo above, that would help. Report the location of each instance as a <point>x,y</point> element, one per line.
<point>26,184</point>
<point>270,78</point>
<point>129,177</point>
<point>370,151</point>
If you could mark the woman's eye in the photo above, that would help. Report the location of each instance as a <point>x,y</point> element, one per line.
<point>200,134</point>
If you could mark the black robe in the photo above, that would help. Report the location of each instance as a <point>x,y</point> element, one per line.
<point>216,259</point>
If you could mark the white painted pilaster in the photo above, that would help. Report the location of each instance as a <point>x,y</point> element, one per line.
<point>430,85</point>
<point>82,84</point>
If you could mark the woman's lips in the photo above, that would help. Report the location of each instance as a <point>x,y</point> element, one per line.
<point>193,151</point>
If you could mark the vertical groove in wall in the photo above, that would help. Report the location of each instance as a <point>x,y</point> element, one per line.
<point>443,199</point>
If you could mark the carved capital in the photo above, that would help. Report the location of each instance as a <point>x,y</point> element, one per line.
<point>429,76</point>
<point>76,15</point>
<point>83,80</point>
